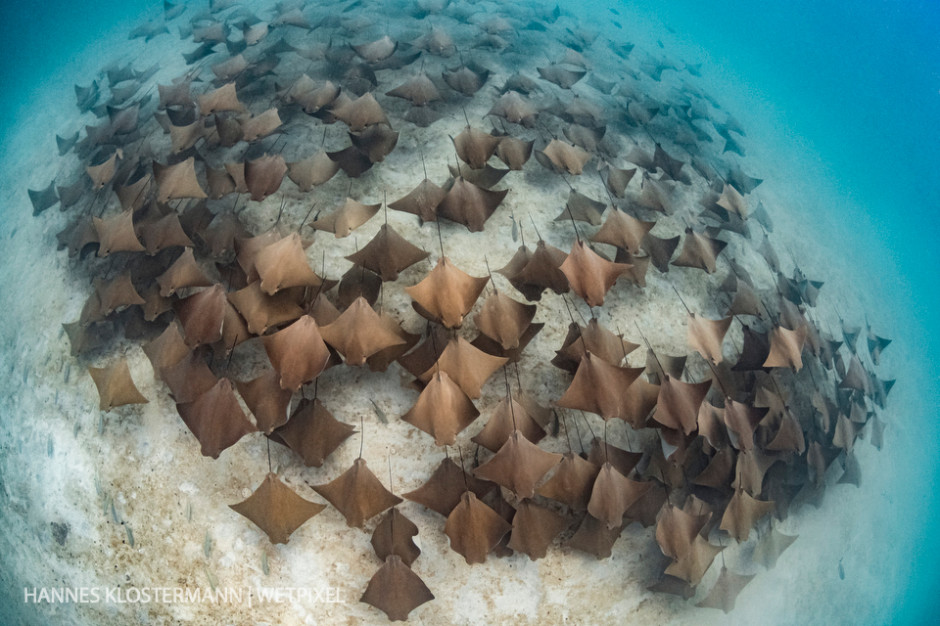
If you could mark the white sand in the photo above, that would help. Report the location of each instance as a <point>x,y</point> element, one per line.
<point>56,467</point>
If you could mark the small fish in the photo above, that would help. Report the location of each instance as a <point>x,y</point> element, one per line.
<point>101,423</point>
<point>614,11</point>
<point>213,582</point>
<point>189,511</point>
<point>841,571</point>
<point>515,229</point>
<point>114,513</point>
<point>264,563</point>
<point>50,450</point>
<point>379,412</point>
<point>207,545</point>
<point>68,372</point>
<point>617,24</point>
<point>130,535</point>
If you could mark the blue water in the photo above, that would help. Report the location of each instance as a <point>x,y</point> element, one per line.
<point>857,83</point>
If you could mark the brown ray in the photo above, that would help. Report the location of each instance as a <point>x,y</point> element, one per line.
<point>346,218</point>
<point>514,152</point>
<point>469,204</point>
<point>467,79</point>
<point>855,376</point>
<point>560,157</point>
<point>177,181</point>
<point>504,320</point>
<point>534,528</point>
<point>183,273</point>
<point>580,207</point>
<point>518,465</point>
<point>613,494</point>
<point>224,98</point>
<point>786,347</point>
<point>380,361</point>
<point>699,251</point>
<point>396,590</point>
<point>100,173</point>
<point>358,494</point>
<point>447,294</point>
<point>360,113</point>
<point>422,201</point>
<point>167,349</point>
<point>705,336</point>
<point>166,232</point>
<point>442,410</point>
<point>283,264</point>
<point>263,176</point>
<point>599,387</point>
<point>593,338</point>
<point>297,353</point>
<point>660,250</point>
<point>466,365</point>
<point>533,272</point>
<point>507,416</point>
<point>313,432</point>
<point>266,400</point>
<point>115,385</point>
<point>201,316</point>
<point>623,231</point>
<point>277,509</point>
<point>590,275</point>
<point>725,590</point>
<point>387,254</point>
<point>359,333</point>
<point>771,546</point>
<point>312,171</point>
<point>679,402</point>
<point>594,537</point>
<point>188,378</point>
<point>419,91</point>
<point>216,418</point>
<point>474,529</point>
<point>743,513</point>
<point>572,482</point>
<point>561,76</point>
<point>262,311</point>
<point>378,50</point>
<point>392,535</point>
<point>515,109</point>
<point>442,491</point>
<point>261,125</point>
<point>475,147</point>
<point>116,234</point>
<point>117,293</point>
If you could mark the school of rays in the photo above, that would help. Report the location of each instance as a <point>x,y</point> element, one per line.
<point>213,215</point>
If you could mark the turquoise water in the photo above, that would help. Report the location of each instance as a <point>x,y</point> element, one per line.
<point>856,85</point>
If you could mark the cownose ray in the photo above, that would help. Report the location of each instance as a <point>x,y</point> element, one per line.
<point>725,591</point>
<point>514,108</point>
<point>419,91</point>
<point>561,157</point>
<point>184,272</point>
<point>534,272</point>
<point>503,319</point>
<point>595,338</point>
<point>312,171</point>
<point>466,365</point>
<point>613,494</point>
<point>266,400</point>
<point>598,387</point>
<point>346,218</point>
<point>422,201</point>
<point>506,417</point>
<point>117,234</point>
<point>469,204</point>
<point>742,513</point>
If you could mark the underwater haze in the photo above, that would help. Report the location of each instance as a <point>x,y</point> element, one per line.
<point>841,104</point>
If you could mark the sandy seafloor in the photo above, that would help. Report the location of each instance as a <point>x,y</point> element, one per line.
<point>55,467</point>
